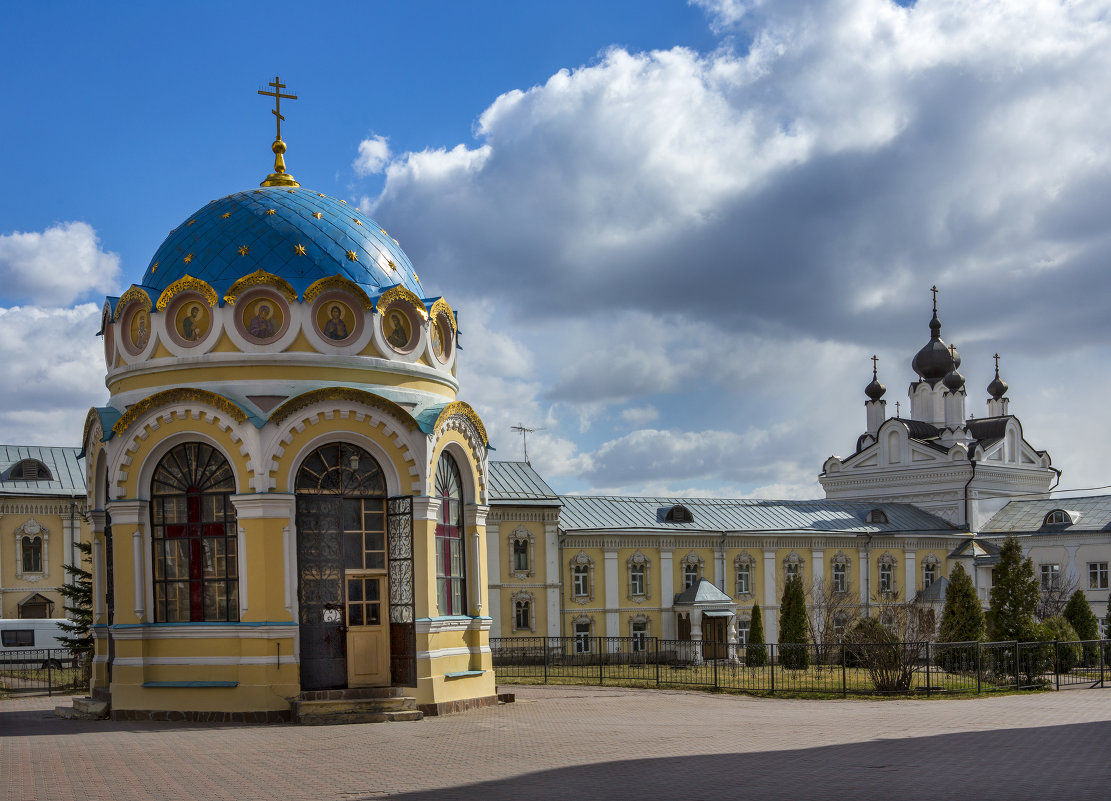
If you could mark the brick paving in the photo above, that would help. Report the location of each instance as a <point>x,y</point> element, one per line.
<point>585,742</point>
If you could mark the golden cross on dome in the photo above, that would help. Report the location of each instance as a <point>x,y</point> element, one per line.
<point>934,290</point>
<point>277,95</point>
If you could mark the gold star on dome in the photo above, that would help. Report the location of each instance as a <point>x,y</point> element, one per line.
<point>225,215</point>
<point>352,255</point>
<point>396,242</point>
<point>244,250</point>
<point>320,194</point>
<point>317,214</point>
<point>189,258</point>
<point>292,191</point>
<point>190,223</point>
<point>357,221</point>
<point>392,265</point>
<point>172,230</point>
<point>299,250</point>
<point>343,201</point>
<point>154,269</point>
<point>270,212</point>
<point>416,278</point>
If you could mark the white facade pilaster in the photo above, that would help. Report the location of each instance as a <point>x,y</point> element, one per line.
<point>667,596</point>
<point>613,623</point>
<point>771,625</point>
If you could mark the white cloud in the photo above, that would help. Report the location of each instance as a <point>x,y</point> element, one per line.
<point>725,237</point>
<point>53,372</point>
<point>57,266</point>
<point>374,155</point>
<point>640,415</point>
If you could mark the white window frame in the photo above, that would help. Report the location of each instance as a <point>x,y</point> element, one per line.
<point>1097,576</point>
<point>887,564</point>
<point>840,566</point>
<point>582,578</point>
<point>582,629</point>
<point>793,565</point>
<point>529,602</point>
<point>930,570</point>
<point>744,628</point>
<point>691,566</point>
<point>521,536</point>
<point>638,567</point>
<point>30,529</point>
<point>638,631</point>
<point>743,570</point>
<point>1049,575</point>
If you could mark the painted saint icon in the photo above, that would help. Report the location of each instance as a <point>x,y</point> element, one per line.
<point>140,330</point>
<point>397,329</point>
<point>265,319</point>
<point>193,323</point>
<point>335,328</point>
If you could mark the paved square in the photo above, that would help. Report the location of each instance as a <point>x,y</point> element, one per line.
<point>586,742</point>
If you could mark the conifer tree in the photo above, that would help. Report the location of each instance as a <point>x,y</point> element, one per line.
<point>962,618</point>
<point>1078,612</point>
<point>1014,596</point>
<point>756,653</point>
<point>793,626</point>
<point>79,605</point>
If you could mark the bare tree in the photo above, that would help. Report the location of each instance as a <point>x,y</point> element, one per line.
<point>891,646</point>
<point>1054,597</point>
<point>830,614</point>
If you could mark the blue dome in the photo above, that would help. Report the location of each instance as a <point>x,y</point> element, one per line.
<point>296,234</point>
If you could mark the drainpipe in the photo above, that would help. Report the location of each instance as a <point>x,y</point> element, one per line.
<point>868,575</point>
<point>562,608</point>
<point>724,566</point>
<point>967,499</point>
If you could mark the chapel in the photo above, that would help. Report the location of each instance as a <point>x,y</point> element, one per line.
<point>288,498</point>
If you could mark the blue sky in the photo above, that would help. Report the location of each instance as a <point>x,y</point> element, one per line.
<point>675,232</point>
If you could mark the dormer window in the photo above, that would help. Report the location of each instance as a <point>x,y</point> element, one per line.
<point>30,470</point>
<point>875,516</point>
<point>678,514</point>
<point>1058,517</point>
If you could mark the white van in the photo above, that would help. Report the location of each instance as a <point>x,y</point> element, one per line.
<point>28,644</point>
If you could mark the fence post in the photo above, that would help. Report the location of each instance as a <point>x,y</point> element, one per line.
<point>49,677</point>
<point>979,667</point>
<point>1057,662</point>
<point>657,639</point>
<point>546,644</point>
<point>1102,646</point>
<point>927,669</point>
<point>1018,666</point>
<point>844,671</point>
<point>771,664</point>
<point>601,664</point>
<point>715,661</point>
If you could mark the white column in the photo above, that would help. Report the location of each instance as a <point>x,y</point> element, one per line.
<point>126,514</point>
<point>552,576</point>
<point>493,573</point>
<point>911,582</point>
<point>667,596</point>
<point>613,624</point>
<point>267,505</point>
<point>98,578</point>
<point>770,610</point>
<point>696,634</point>
<point>862,574</point>
<point>475,518</point>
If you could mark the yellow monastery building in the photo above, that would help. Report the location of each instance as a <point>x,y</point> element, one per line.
<point>288,498</point>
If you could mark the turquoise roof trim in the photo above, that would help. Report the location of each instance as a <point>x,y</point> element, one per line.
<point>271,222</point>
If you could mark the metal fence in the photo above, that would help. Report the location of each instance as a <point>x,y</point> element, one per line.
<point>42,670</point>
<point>894,668</point>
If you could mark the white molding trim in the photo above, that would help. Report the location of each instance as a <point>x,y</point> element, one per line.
<point>459,651</point>
<point>437,625</point>
<point>203,631</point>
<point>143,661</point>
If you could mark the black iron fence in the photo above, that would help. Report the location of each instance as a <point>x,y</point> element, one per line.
<point>42,670</point>
<point>891,668</point>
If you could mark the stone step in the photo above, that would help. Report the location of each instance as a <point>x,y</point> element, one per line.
<point>407,714</point>
<point>357,716</point>
<point>303,708</point>
<point>352,693</point>
<point>83,709</point>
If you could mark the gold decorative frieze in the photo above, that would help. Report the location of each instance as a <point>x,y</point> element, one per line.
<point>260,278</point>
<point>441,307</point>
<point>134,294</point>
<point>349,394</point>
<point>180,395</point>
<point>187,283</point>
<point>338,282</point>
<point>401,293</point>
<point>464,410</point>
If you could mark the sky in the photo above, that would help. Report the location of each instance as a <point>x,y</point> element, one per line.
<point>675,233</point>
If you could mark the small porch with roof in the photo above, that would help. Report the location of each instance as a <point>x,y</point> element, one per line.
<point>706,617</point>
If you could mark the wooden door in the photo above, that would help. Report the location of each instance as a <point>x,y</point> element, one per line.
<point>368,638</point>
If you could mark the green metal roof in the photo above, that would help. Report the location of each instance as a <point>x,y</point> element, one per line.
<point>67,474</point>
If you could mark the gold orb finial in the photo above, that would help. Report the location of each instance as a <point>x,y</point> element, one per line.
<point>279,177</point>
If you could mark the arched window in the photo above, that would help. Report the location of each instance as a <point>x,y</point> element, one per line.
<point>451,583</point>
<point>840,572</point>
<point>692,569</point>
<point>744,564</point>
<point>638,565</point>
<point>678,514</point>
<point>30,554</point>
<point>1058,517</point>
<point>929,570</point>
<point>196,577</point>
<point>582,578</point>
<point>522,612</point>
<point>887,574</point>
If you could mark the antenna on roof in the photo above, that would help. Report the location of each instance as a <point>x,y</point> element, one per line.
<point>524,431</point>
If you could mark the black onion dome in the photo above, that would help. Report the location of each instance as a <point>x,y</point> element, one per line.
<point>934,361</point>
<point>875,389</point>
<point>998,387</point>
<point>954,382</point>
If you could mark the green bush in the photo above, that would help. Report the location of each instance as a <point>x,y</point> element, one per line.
<point>756,652</point>
<point>794,649</point>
